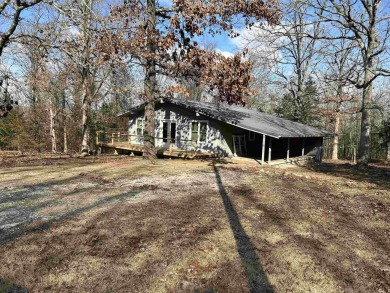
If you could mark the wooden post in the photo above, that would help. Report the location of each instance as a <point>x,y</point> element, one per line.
<point>303,147</point>
<point>269,150</point>
<point>263,150</point>
<point>234,146</point>
<point>354,155</point>
<point>97,137</point>
<point>112,138</point>
<point>288,150</point>
<point>388,151</point>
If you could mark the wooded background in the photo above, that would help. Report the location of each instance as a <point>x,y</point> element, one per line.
<point>73,66</point>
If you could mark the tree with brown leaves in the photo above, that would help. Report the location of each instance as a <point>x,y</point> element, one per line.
<point>162,40</point>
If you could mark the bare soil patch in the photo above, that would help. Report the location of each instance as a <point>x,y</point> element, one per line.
<point>122,224</point>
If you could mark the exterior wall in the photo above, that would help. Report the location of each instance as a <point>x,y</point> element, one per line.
<point>253,148</point>
<point>220,136</point>
<point>215,139</point>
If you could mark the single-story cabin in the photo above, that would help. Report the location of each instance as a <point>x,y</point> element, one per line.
<point>222,130</point>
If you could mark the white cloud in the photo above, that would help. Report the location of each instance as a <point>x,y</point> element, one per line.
<point>260,35</point>
<point>224,53</point>
<point>263,43</point>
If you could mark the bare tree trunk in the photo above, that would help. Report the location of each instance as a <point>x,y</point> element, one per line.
<point>86,73</point>
<point>150,85</point>
<point>335,149</point>
<point>52,128</point>
<point>65,140</point>
<point>64,122</point>
<point>388,151</point>
<point>85,109</point>
<point>364,144</point>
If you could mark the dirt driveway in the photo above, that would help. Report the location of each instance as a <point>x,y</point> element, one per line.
<point>125,225</point>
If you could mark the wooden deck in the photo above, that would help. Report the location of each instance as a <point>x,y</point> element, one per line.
<point>162,152</point>
<point>122,141</point>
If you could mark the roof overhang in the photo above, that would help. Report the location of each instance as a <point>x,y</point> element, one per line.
<point>183,103</point>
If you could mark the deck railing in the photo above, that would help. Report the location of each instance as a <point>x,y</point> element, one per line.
<point>124,138</point>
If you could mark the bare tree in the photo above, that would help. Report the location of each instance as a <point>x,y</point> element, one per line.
<point>367,25</point>
<point>78,46</point>
<point>10,11</point>
<point>337,55</point>
<point>287,52</point>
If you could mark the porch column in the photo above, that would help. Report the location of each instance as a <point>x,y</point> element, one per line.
<point>263,150</point>
<point>303,147</point>
<point>234,147</point>
<point>269,150</point>
<point>288,150</point>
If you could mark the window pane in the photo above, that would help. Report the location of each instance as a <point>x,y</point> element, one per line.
<point>194,131</point>
<point>165,131</point>
<point>203,131</point>
<point>243,146</point>
<point>140,127</point>
<point>173,132</point>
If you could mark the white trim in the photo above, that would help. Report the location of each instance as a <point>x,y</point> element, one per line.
<point>143,126</point>
<point>207,131</point>
<point>234,145</point>
<point>169,130</point>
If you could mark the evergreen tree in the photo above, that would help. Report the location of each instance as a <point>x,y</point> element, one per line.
<point>288,108</point>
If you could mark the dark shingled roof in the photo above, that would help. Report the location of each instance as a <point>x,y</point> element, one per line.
<point>248,119</point>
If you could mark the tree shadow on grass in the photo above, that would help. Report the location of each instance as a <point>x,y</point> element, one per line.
<point>335,242</point>
<point>12,234</point>
<point>31,191</point>
<point>373,174</point>
<point>8,287</point>
<point>257,280</point>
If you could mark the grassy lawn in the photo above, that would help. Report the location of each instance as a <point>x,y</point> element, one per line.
<point>122,224</point>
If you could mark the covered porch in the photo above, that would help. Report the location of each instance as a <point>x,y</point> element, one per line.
<point>288,148</point>
<point>267,149</point>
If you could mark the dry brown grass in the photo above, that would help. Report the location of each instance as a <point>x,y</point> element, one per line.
<point>125,225</point>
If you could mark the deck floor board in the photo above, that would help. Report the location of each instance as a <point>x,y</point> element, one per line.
<point>186,154</point>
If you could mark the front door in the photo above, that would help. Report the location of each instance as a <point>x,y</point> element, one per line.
<point>169,133</point>
<point>239,145</point>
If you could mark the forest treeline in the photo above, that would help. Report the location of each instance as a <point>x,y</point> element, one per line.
<point>73,66</point>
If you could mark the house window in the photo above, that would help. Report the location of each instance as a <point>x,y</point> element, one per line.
<point>199,131</point>
<point>140,127</point>
<point>169,131</point>
<point>239,145</point>
<point>252,136</point>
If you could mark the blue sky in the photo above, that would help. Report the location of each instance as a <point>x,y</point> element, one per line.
<point>223,43</point>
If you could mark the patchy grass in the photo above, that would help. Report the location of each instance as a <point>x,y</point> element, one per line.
<point>6,286</point>
<point>121,224</point>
